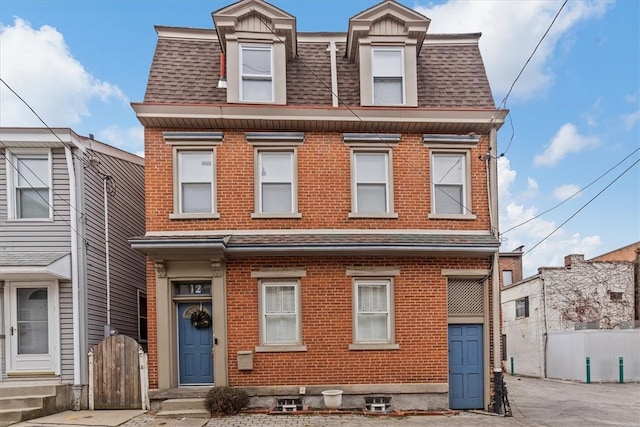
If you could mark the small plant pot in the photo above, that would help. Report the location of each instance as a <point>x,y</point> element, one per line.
<point>332,398</point>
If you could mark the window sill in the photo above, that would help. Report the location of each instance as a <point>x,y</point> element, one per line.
<point>195,216</point>
<point>31,220</point>
<point>260,215</point>
<point>466,217</point>
<point>280,348</point>
<point>381,215</point>
<point>374,346</point>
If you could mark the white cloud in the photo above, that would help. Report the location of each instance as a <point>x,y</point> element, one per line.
<point>519,226</point>
<point>38,65</point>
<point>128,139</point>
<point>510,32</point>
<point>563,192</point>
<point>566,141</point>
<point>631,119</point>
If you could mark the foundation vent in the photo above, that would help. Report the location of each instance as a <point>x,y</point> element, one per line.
<point>289,405</point>
<point>465,297</point>
<point>378,403</point>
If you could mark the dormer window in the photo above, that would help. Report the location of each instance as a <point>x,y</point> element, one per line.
<point>388,76</point>
<point>256,65</point>
<point>257,39</point>
<point>385,41</point>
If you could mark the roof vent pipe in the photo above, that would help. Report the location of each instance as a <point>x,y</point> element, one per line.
<point>222,83</point>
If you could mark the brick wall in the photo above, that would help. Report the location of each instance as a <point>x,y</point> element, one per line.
<point>324,186</point>
<point>327,331</point>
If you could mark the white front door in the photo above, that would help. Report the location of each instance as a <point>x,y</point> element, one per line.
<point>32,328</point>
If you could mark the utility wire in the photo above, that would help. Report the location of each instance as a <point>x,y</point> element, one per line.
<point>573,195</point>
<point>503,104</point>
<point>582,207</point>
<point>504,101</point>
<point>348,107</point>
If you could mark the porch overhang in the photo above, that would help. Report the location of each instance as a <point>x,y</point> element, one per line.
<point>35,265</point>
<point>300,243</point>
<point>308,118</point>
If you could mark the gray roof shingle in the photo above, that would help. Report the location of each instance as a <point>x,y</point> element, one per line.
<point>186,71</point>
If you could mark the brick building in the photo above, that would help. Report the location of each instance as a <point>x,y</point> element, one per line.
<point>329,199</point>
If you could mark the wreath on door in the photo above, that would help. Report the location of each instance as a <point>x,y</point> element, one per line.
<point>200,319</point>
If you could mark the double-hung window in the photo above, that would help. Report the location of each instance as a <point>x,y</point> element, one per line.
<point>196,181</point>
<point>30,182</point>
<point>387,71</point>
<point>280,313</point>
<point>276,181</point>
<point>449,188</point>
<point>372,311</point>
<point>194,174</point>
<point>372,182</point>
<point>256,68</point>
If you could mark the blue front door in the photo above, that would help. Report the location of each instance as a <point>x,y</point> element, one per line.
<point>195,358</point>
<point>466,379</point>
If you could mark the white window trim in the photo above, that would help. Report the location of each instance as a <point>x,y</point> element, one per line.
<point>12,180</point>
<point>467,209</point>
<point>257,46</point>
<point>402,76</point>
<point>389,344</point>
<point>194,141</point>
<point>288,277</point>
<point>390,213</point>
<point>258,183</point>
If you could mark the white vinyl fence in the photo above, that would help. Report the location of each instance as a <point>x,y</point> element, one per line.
<point>567,354</point>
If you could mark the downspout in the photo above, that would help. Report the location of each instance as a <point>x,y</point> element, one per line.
<point>334,74</point>
<point>75,284</point>
<point>546,327</point>
<point>495,268</point>
<point>107,272</point>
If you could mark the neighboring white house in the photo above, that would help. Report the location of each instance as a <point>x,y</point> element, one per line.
<point>63,284</point>
<point>583,294</point>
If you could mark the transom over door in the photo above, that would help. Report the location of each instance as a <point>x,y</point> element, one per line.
<point>32,343</point>
<point>195,357</point>
<point>466,379</point>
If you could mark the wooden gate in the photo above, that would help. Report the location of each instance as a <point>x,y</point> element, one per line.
<point>118,374</point>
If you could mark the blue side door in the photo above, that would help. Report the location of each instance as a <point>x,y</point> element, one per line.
<point>466,378</point>
<point>195,358</point>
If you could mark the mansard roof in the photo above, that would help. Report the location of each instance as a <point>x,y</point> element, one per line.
<point>185,70</point>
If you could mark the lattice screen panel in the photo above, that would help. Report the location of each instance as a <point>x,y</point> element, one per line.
<point>465,297</point>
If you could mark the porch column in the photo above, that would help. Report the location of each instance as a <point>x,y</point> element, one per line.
<point>219,295</point>
<point>163,323</point>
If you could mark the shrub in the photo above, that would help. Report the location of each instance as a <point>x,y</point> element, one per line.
<point>226,400</point>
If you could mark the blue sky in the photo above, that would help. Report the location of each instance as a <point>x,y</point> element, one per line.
<point>575,110</point>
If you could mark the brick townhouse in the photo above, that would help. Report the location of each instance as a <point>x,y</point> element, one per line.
<point>329,201</point>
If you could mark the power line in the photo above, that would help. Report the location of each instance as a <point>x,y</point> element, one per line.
<point>503,104</point>
<point>504,101</point>
<point>348,107</point>
<point>582,207</point>
<point>573,195</point>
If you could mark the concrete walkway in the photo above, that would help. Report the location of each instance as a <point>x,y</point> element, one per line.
<point>535,402</point>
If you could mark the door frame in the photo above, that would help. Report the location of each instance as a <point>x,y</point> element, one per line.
<point>37,364</point>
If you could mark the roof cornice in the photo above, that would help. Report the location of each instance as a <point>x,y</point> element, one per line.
<point>267,117</point>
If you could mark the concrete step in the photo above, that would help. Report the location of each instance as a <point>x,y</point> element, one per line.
<point>12,416</point>
<point>184,413</point>
<point>17,402</point>
<point>27,390</point>
<point>183,404</point>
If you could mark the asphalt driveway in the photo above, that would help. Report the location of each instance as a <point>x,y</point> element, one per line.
<point>555,403</point>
